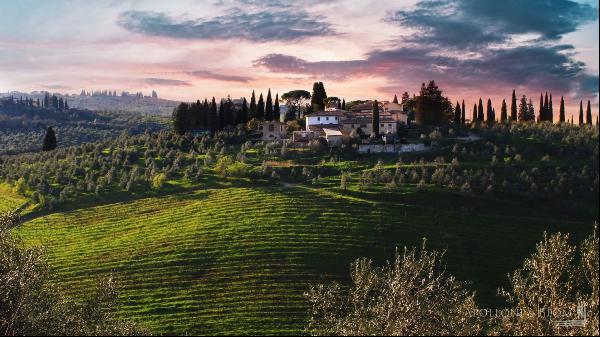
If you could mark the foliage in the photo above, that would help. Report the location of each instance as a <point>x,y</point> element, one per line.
<point>411,295</point>
<point>31,305</point>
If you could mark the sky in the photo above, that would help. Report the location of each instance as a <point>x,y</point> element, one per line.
<point>360,49</point>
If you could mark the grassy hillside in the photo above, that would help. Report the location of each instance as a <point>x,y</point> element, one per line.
<point>9,200</point>
<point>237,260</point>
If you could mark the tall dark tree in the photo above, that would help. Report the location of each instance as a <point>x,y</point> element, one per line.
<point>46,100</point>
<point>339,105</point>
<point>276,109</point>
<point>523,109</point>
<point>213,116</point>
<point>457,114</point>
<point>376,118</point>
<point>229,112</point>
<point>580,112</point>
<point>49,140</point>
<point>196,115</point>
<point>431,107</point>
<point>253,108</point>
<point>561,116</point>
<point>66,104</point>
<point>503,112</point>
<point>318,97</point>
<point>474,117</point>
<point>343,104</point>
<point>221,115</point>
<point>180,118</point>
<point>395,99</point>
<point>260,108</point>
<point>588,114</point>
<point>464,113</point>
<point>206,114</point>
<point>490,112</point>
<point>242,115</point>
<point>480,117</point>
<point>513,107</point>
<point>542,110</point>
<point>269,106</point>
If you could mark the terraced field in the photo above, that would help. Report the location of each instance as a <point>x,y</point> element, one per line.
<point>237,260</point>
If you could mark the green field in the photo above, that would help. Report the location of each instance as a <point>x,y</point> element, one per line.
<point>10,201</point>
<point>238,259</point>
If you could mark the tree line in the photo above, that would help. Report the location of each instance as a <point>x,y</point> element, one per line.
<point>432,108</point>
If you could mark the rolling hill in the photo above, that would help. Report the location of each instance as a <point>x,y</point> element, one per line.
<point>237,260</point>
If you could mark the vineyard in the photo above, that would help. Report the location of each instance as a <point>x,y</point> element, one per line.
<point>238,260</point>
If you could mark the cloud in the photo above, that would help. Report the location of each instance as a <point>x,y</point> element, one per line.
<point>475,23</point>
<point>469,44</point>
<point>258,26</point>
<point>166,82</point>
<point>537,67</point>
<point>205,74</point>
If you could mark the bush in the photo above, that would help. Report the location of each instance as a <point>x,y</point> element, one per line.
<point>158,181</point>
<point>411,295</point>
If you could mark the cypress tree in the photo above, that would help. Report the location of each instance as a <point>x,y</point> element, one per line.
<point>503,112</point>
<point>580,112</point>
<point>205,114</point>
<point>318,97</point>
<point>343,104</point>
<point>242,115</point>
<point>252,106</point>
<point>561,116</point>
<point>49,140</point>
<point>339,105</point>
<point>490,111</point>
<point>464,113</point>
<point>474,118</point>
<point>513,107</point>
<point>269,107</point>
<point>260,108</point>
<point>376,118</point>
<point>213,117</point>
<point>588,114</point>
<point>480,117</point>
<point>180,118</point>
<point>457,114</point>
<point>276,109</point>
<point>221,115</point>
<point>541,113</point>
<point>395,99</point>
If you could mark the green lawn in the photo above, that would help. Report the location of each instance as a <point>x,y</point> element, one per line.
<point>238,259</point>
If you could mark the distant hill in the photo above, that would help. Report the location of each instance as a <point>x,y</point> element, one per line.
<point>22,127</point>
<point>151,106</point>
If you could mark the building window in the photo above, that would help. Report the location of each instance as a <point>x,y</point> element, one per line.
<point>326,118</point>
<point>318,118</point>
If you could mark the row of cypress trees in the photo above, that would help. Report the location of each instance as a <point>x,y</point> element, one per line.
<point>521,110</point>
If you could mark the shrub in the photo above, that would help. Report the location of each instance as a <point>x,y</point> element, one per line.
<point>158,181</point>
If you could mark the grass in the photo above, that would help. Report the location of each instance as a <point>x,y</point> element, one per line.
<point>9,200</point>
<point>237,260</point>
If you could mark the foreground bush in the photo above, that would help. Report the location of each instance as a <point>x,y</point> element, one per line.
<point>31,305</point>
<point>411,295</point>
<point>555,292</point>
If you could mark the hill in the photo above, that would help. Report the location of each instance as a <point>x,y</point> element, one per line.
<point>222,235</point>
<point>22,127</point>
<point>237,260</point>
<point>150,106</point>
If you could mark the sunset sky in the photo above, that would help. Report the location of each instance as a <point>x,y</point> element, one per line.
<point>189,49</point>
